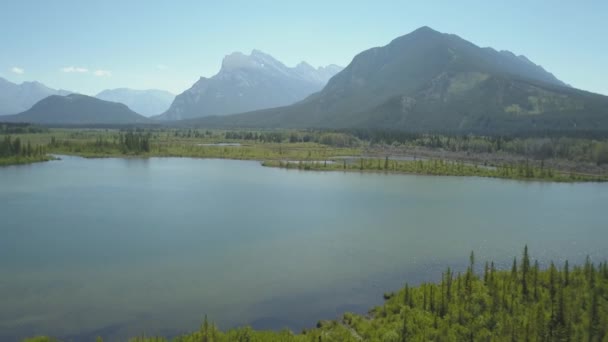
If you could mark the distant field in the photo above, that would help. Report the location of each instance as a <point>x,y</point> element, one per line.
<point>558,159</point>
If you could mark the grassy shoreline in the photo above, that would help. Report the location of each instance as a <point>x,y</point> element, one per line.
<point>439,167</point>
<point>11,161</point>
<point>436,167</point>
<point>293,149</point>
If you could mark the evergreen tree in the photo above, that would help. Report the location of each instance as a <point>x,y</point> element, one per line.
<point>525,269</point>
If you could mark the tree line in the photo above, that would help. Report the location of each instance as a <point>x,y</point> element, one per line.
<point>129,142</point>
<point>21,128</point>
<point>10,147</point>
<point>522,303</point>
<point>522,171</point>
<point>589,149</point>
<point>335,139</point>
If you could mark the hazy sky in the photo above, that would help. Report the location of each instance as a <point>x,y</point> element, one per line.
<point>88,46</point>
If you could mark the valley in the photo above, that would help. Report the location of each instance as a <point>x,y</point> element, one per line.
<point>192,187</point>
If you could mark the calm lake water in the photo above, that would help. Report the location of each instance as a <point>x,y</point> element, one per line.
<point>118,247</point>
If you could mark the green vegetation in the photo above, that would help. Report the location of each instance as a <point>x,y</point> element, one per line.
<point>523,303</point>
<point>197,144</point>
<point>21,128</point>
<point>579,149</point>
<point>129,143</point>
<point>13,151</point>
<point>562,159</point>
<point>40,339</point>
<point>523,171</point>
<point>335,139</point>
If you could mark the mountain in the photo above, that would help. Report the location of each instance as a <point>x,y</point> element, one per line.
<point>77,109</point>
<point>431,81</point>
<point>248,82</point>
<point>15,98</point>
<point>146,102</point>
<point>319,75</point>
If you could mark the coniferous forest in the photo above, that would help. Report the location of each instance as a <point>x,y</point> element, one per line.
<point>14,151</point>
<point>523,303</point>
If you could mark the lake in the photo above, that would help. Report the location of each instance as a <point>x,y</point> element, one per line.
<point>119,247</point>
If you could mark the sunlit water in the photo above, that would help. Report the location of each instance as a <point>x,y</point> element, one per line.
<point>118,247</point>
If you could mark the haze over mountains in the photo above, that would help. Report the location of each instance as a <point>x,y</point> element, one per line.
<point>76,109</point>
<point>421,82</point>
<point>244,83</point>
<point>15,98</point>
<point>249,82</point>
<point>431,81</point>
<point>145,102</point>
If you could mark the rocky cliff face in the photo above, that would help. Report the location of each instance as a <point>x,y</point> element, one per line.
<point>246,83</point>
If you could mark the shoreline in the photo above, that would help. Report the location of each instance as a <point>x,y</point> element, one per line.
<point>466,171</point>
<point>454,168</point>
<point>20,161</point>
<point>504,299</point>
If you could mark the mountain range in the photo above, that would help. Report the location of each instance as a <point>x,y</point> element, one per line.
<point>146,102</point>
<point>15,98</point>
<point>76,109</point>
<point>246,83</point>
<point>425,81</point>
<point>432,81</point>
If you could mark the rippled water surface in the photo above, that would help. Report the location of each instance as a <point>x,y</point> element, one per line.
<point>117,247</point>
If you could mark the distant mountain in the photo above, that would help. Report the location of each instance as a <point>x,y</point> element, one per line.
<point>431,81</point>
<point>319,75</point>
<point>15,98</point>
<point>77,109</point>
<point>146,102</point>
<point>247,83</point>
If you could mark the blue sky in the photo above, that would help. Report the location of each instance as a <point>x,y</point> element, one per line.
<point>88,46</point>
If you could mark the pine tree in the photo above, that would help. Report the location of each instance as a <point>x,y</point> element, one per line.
<point>566,274</point>
<point>594,318</point>
<point>552,281</point>
<point>205,330</point>
<point>472,261</point>
<point>486,271</point>
<point>449,281</point>
<point>432,299</point>
<point>525,269</point>
<point>404,329</point>
<point>535,279</point>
